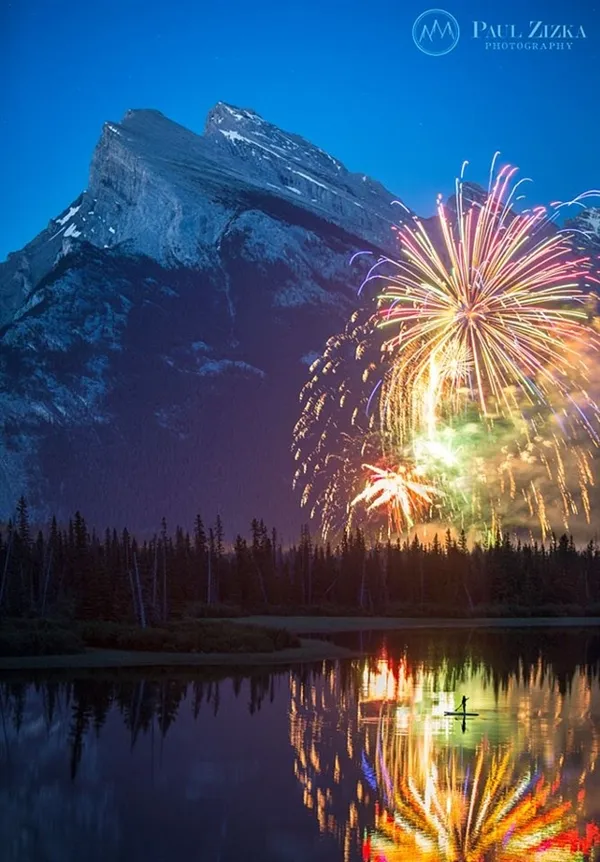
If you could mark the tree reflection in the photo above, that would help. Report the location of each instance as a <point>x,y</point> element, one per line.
<point>142,702</point>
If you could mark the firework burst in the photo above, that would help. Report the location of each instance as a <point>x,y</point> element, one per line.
<point>499,306</point>
<point>399,491</point>
<point>482,328</point>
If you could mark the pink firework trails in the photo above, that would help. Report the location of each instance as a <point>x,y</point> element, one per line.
<point>488,337</point>
<point>499,305</point>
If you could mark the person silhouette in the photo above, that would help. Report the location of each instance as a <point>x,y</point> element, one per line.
<point>463,703</point>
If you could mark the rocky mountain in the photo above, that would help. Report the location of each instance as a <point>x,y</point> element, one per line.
<point>154,337</point>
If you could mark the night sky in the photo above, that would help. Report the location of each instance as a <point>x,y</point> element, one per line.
<point>345,75</point>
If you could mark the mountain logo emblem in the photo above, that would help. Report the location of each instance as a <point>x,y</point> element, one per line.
<point>436,32</point>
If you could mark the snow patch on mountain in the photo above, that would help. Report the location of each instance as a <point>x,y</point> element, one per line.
<point>72,231</point>
<point>71,212</point>
<point>313,181</point>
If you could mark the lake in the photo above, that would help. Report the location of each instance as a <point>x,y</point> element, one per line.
<point>350,760</point>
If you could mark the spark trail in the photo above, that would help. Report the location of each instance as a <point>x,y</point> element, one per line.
<point>463,391</point>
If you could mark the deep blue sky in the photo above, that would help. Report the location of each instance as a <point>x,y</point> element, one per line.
<point>345,75</point>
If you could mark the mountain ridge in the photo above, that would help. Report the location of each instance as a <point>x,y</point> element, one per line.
<point>147,171</point>
<point>154,337</point>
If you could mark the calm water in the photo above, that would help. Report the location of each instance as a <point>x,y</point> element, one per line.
<point>344,761</point>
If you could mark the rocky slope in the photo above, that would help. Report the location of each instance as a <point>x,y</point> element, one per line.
<point>154,337</point>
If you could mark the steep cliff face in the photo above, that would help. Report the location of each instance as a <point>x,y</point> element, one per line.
<point>156,334</point>
<point>157,189</point>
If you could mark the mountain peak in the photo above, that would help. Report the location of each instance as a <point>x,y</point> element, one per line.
<point>161,190</point>
<point>224,113</point>
<point>472,193</point>
<point>146,127</point>
<point>133,113</point>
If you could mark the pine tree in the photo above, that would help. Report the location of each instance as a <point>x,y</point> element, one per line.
<point>22,523</point>
<point>200,550</point>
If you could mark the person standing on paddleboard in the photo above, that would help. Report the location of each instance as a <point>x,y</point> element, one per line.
<point>463,703</point>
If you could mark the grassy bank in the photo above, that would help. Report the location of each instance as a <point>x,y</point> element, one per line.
<point>308,651</point>
<point>246,641</point>
<point>35,637</point>
<point>427,611</point>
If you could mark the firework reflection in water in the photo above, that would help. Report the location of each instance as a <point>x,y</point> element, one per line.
<point>383,740</point>
<point>437,805</point>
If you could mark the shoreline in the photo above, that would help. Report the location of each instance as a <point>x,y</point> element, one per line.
<point>339,625</point>
<point>311,649</point>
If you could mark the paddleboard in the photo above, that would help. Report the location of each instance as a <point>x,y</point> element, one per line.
<point>462,714</point>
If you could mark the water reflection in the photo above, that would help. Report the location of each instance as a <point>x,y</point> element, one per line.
<point>495,802</point>
<point>130,767</point>
<point>345,761</point>
<point>518,781</point>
